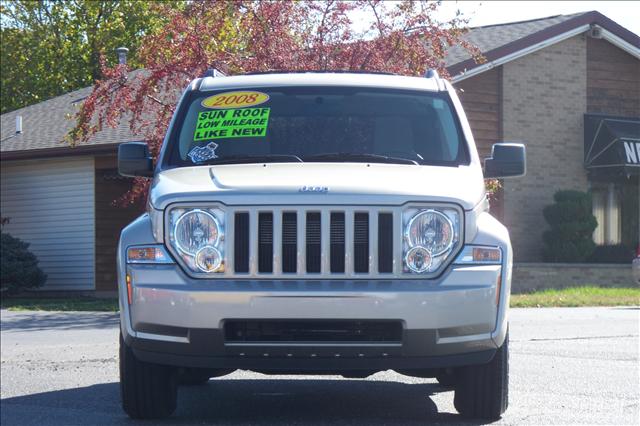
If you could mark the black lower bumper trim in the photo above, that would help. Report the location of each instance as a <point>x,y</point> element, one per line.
<point>333,365</point>
<point>207,349</point>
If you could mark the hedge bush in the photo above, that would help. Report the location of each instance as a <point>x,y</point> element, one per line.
<point>572,223</point>
<point>18,266</point>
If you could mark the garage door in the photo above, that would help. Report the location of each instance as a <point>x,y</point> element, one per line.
<point>50,204</point>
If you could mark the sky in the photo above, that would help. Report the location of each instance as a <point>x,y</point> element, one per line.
<point>625,13</point>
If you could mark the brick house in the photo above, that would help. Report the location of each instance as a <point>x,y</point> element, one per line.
<point>558,84</point>
<point>546,82</point>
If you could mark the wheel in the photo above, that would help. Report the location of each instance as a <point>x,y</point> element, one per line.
<point>193,376</point>
<point>148,391</point>
<point>482,391</point>
<point>200,376</point>
<point>447,378</point>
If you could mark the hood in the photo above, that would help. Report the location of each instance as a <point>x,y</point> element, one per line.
<point>326,183</point>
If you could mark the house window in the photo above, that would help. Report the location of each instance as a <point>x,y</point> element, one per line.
<point>606,209</point>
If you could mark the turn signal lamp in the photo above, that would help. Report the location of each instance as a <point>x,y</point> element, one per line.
<point>486,254</point>
<point>479,255</point>
<point>148,254</point>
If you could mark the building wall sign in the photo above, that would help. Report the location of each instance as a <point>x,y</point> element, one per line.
<point>611,145</point>
<point>632,151</point>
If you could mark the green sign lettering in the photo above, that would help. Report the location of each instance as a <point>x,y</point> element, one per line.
<point>232,123</point>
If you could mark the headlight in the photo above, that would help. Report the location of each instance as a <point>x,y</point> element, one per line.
<point>418,259</point>
<point>197,236</point>
<point>430,235</point>
<point>432,230</point>
<point>194,230</point>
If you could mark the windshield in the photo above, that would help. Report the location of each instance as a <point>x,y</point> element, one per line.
<point>329,124</point>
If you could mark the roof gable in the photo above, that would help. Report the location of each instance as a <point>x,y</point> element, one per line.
<point>506,42</point>
<point>490,37</point>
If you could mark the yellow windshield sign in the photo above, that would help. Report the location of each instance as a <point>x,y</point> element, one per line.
<point>237,99</point>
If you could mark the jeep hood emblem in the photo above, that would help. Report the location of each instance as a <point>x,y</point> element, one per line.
<point>315,189</point>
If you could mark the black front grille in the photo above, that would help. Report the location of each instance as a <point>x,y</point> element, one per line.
<point>361,243</point>
<point>385,242</point>
<point>289,242</point>
<point>313,331</point>
<point>241,243</point>
<point>336,240</point>
<point>314,250</point>
<point>332,243</point>
<point>265,242</point>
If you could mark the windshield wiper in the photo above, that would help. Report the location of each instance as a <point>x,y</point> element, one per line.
<point>346,157</point>
<point>246,159</point>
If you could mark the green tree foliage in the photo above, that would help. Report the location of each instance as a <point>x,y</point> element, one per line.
<point>18,266</point>
<point>570,238</point>
<point>52,47</point>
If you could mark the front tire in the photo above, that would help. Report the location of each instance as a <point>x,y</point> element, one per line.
<point>148,391</point>
<point>447,378</point>
<point>482,391</point>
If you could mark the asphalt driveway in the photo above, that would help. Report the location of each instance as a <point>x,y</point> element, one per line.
<point>568,366</point>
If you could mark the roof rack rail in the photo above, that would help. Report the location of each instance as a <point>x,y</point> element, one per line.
<point>284,71</point>
<point>432,73</point>
<point>213,72</point>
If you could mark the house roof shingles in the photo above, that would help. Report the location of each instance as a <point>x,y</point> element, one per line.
<point>46,124</point>
<point>490,37</point>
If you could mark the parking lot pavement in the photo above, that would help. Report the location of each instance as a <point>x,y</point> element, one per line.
<point>568,366</point>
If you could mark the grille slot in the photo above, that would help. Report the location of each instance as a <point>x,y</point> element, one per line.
<point>385,243</point>
<point>336,242</point>
<point>314,249</point>
<point>289,242</point>
<point>312,331</point>
<point>361,243</point>
<point>241,243</point>
<point>265,242</point>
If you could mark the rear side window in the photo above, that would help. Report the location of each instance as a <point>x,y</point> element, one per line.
<point>308,121</point>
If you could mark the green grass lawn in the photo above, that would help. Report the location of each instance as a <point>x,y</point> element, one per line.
<point>569,297</point>
<point>578,296</point>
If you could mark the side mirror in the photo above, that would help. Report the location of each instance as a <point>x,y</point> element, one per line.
<point>134,160</point>
<point>507,160</point>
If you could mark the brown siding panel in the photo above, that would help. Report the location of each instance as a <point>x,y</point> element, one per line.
<point>481,96</point>
<point>110,219</point>
<point>613,80</point>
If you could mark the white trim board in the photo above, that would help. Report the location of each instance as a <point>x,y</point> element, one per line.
<point>606,35</point>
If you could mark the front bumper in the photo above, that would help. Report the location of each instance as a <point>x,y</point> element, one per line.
<point>178,316</point>
<point>456,319</point>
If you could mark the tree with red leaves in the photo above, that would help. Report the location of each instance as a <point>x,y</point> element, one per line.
<point>249,36</point>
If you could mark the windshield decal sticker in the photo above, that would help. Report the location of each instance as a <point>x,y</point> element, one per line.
<point>232,123</point>
<point>237,99</point>
<point>200,154</point>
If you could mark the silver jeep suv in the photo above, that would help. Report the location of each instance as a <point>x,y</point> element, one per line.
<point>316,223</point>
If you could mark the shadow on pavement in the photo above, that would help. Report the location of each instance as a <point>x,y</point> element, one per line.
<point>241,402</point>
<point>38,321</point>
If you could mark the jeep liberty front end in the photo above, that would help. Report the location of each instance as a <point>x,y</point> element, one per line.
<point>316,223</point>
